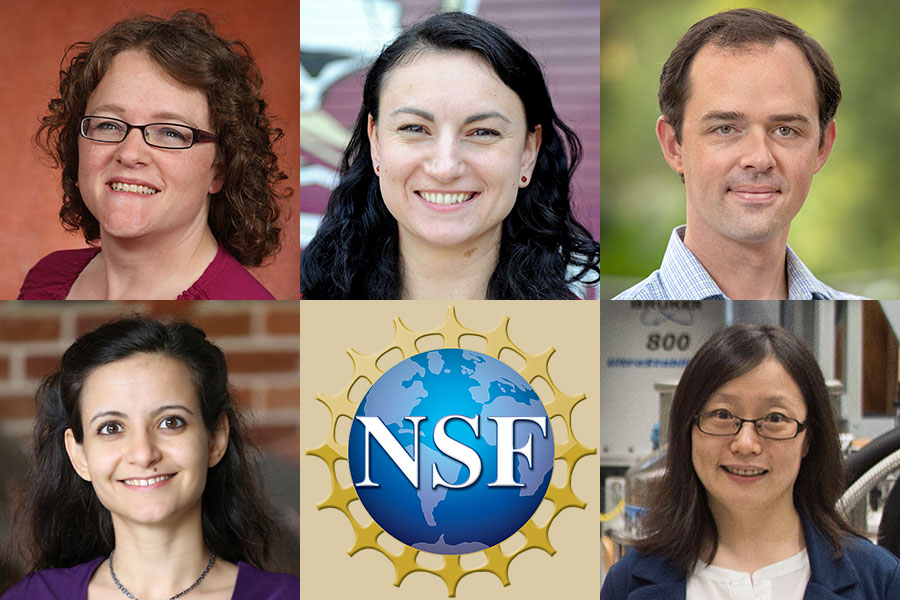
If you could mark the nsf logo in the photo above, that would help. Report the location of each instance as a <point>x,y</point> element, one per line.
<point>451,451</point>
<point>441,457</point>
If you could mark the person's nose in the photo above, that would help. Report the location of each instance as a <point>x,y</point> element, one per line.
<point>133,151</point>
<point>757,151</point>
<point>445,163</point>
<point>747,440</point>
<point>142,449</point>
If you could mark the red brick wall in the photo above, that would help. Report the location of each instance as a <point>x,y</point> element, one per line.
<point>260,340</point>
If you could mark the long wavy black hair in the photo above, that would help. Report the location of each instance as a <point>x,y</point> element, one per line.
<point>543,249</point>
<point>65,524</point>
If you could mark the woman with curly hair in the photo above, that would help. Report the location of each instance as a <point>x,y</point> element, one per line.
<point>143,482</point>
<point>168,167</point>
<point>456,180</point>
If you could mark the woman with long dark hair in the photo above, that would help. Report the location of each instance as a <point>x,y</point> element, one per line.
<point>746,508</point>
<point>143,482</point>
<point>456,180</point>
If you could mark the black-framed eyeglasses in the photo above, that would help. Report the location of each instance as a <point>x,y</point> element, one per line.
<point>170,136</point>
<point>773,426</point>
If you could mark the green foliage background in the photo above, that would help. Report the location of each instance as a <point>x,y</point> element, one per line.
<point>848,232</point>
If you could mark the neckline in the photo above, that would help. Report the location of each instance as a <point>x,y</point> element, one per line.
<point>782,567</point>
<point>209,272</point>
<point>95,564</point>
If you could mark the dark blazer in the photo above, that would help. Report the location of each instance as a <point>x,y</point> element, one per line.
<point>863,572</point>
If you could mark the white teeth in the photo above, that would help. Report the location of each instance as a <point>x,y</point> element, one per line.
<point>146,482</point>
<point>118,186</point>
<point>439,198</point>
<point>745,472</point>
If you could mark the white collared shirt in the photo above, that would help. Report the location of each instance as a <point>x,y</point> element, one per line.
<point>784,580</point>
<point>682,277</point>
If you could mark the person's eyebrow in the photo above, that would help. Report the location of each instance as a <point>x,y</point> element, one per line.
<point>110,108</point>
<point>413,111</point>
<point>723,116</point>
<point>168,407</point>
<point>487,115</point>
<point>790,118</point>
<point>173,116</point>
<point>108,413</point>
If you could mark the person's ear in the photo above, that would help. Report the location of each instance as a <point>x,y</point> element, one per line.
<point>671,149</point>
<point>218,180</point>
<point>218,441</point>
<point>529,156</point>
<point>827,141</point>
<point>374,150</point>
<point>76,455</point>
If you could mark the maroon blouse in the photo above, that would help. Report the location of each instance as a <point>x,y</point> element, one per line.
<point>224,279</point>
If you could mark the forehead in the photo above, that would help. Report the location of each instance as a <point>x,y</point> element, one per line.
<point>447,82</point>
<point>137,87</point>
<point>768,385</point>
<point>759,78</point>
<point>137,384</point>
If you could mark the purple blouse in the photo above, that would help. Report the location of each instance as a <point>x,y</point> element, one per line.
<point>224,279</point>
<point>72,584</point>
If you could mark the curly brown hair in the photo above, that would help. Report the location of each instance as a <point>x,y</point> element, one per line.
<point>244,215</point>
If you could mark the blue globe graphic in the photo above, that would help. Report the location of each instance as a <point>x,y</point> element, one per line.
<point>440,519</point>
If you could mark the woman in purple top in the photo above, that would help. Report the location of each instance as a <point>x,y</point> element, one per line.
<point>143,485</point>
<point>168,166</point>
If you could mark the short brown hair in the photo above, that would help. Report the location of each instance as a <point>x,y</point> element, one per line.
<point>741,28</point>
<point>679,521</point>
<point>244,215</point>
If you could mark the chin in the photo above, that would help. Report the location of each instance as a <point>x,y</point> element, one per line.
<point>442,238</point>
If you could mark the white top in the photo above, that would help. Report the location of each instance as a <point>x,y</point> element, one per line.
<point>784,580</point>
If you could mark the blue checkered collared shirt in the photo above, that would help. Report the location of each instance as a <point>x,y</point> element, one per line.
<point>682,277</point>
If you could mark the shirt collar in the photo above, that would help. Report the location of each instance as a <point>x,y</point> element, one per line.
<point>684,277</point>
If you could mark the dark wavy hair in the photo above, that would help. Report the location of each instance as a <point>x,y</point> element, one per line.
<point>65,523</point>
<point>679,521</point>
<point>355,252</point>
<point>741,28</point>
<point>244,214</point>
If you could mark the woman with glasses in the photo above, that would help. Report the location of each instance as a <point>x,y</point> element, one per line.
<point>168,168</point>
<point>746,508</point>
<point>144,482</point>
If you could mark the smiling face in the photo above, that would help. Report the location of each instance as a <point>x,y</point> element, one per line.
<point>746,472</point>
<point>451,146</point>
<point>172,198</point>
<point>750,141</point>
<point>145,448</point>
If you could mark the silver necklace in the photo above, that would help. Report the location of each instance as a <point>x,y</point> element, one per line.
<point>212,559</point>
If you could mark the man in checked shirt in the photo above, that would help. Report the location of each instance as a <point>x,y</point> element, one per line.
<point>748,102</point>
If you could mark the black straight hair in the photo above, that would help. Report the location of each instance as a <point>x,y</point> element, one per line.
<point>679,522</point>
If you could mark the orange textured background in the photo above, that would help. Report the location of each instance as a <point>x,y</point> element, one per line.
<point>33,39</point>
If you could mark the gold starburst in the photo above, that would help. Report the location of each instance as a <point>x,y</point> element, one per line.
<point>496,560</point>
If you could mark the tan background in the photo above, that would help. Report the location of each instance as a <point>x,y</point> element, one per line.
<point>329,329</point>
<point>33,39</point>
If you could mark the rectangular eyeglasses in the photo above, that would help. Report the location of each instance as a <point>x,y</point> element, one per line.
<point>171,136</point>
<point>773,426</point>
